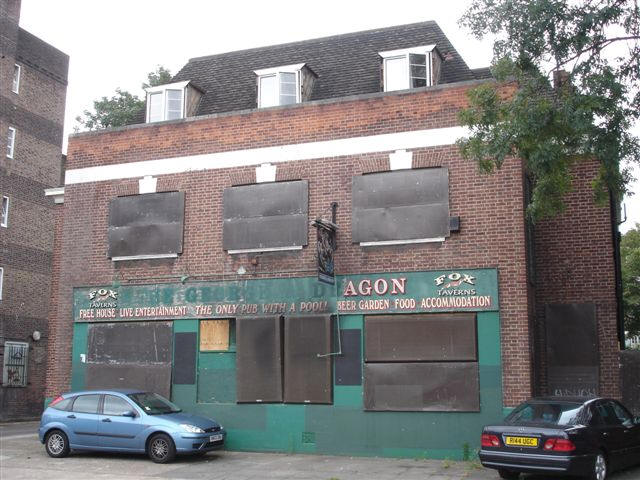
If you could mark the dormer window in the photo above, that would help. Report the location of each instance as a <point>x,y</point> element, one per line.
<point>172,101</point>
<point>410,68</point>
<point>279,85</point>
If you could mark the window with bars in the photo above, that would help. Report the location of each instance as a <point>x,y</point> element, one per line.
<point>14,371</point>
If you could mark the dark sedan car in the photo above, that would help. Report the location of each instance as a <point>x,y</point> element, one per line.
<point>568,436</point>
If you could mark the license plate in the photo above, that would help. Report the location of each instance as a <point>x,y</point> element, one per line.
<point>215,438</point>
<point>521,441</point>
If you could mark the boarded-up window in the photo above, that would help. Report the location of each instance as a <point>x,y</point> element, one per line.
<point>215,334</point>
<point>424,362</point>
<point>259,359</point>
<point>146,226</point>
<point>267,216</point>
<point>572,371</point>
<point>399,206</point>
<point>307,365</point>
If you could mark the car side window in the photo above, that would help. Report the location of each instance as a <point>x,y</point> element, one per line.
<point>622,415</point>
<point>608,414</point>
<point>115,405</point>
<point>86,404</point>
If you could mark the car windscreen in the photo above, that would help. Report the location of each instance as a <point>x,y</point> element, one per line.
<point>556,413</point>
<point>153,404</point>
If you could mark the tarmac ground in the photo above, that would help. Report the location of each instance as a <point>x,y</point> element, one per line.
<point>22,456</point>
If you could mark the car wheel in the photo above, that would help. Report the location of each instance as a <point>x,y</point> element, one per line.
<point>508,474</point>
<point>56,444</point>
<point>599,467</point>
<point>161,448</point>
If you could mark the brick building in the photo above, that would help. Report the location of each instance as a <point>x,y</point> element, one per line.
<point>33,85</point>
<point>188,252</point>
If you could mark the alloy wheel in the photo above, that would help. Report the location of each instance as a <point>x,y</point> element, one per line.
<point>56,443</point>
<point>600,468</point>
<point>160,448</point>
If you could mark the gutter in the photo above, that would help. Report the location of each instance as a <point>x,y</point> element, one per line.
<point>616,237</point>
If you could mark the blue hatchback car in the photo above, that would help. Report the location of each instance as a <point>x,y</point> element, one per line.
<point>125,421</point>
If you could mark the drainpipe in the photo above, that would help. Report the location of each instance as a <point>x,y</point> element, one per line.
<point>615,237</point>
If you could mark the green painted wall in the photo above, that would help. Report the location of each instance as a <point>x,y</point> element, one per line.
<point>342,428</point>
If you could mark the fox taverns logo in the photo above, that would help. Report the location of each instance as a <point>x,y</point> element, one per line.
<point>103,298</point>
<point>455,283</point>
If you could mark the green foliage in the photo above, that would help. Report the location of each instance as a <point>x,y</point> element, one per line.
<point>588,117</point>
<point>121,109</point>
<point>159,77</point>
<point>630,259</point>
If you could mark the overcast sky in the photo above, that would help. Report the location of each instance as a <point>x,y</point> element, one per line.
<point>116,43</point>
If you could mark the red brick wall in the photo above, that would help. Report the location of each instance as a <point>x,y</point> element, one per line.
<point>490,207</point>
<point>575,264</point>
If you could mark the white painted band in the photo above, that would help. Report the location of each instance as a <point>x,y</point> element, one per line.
<point>260,250</point>
<point>300,151</point>
<point>401,242</point>
<point>144,257</point>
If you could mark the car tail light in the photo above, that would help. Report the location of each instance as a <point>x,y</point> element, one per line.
<point>490,440</point>
<point>559,445</point>
<point>58,399</point>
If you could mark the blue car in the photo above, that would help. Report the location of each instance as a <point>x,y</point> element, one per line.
<point>126,421</point>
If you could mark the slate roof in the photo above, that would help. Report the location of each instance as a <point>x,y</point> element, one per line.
<point>346,64</point>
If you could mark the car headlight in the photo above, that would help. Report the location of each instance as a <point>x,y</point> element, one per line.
<point>191,428</point>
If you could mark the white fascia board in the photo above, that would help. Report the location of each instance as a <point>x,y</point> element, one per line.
<point>402,242</point>
<point>167,86</point>
<point>404,51</point>
<point>284,68</point>
<point>261,250</point>
<point>283,153</point>
<point>144,257</point>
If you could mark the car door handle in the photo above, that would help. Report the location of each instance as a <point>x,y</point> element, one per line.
<point>605,434</point>
<point>106,419</point>
<point>71,416</point>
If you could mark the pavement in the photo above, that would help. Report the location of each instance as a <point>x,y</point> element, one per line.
<point>22,456</point>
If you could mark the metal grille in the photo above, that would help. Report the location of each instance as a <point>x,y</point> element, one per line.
<point>14,373</point>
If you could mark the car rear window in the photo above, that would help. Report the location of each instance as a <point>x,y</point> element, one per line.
<point>62,404</point>
<point>557,413</point>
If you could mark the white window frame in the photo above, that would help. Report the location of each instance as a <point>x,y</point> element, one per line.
<point>277,72</point>
<point>1,281</point>
<point>4,214</point>
<point>11,142</point>
<point>426,50</point>
<point>182,86</point>
<point>15,88</point>
<point>5,370</point>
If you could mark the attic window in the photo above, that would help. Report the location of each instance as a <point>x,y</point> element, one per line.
<point>166,102</point>
<point>279,85</point>
<point>410,68</point>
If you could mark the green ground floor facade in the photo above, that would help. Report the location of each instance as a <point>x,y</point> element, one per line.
<point>405,364</point>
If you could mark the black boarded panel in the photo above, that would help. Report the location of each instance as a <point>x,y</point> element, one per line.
<point>130,355</point>
<point>265,232</point>
<point>572,349</point>
<point>401,205</point>
<point>148,377</point>
<point>348,366</point>
<point>184,365</point>
<point>149,224</point>
<point>307,377</point>
<point>267,215</point>
<point>427,387</point>
<point>415,338</point>
<point>134,342</point>
<point>259,359</point>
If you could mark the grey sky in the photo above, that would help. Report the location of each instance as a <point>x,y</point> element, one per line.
<point>116,43</point>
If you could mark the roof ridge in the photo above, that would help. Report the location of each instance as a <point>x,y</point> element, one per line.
<point>310,40</point>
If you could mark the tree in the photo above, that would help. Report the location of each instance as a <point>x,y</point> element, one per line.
<point>630,259</point>
<point>122,108</point>
<point>588,116</point>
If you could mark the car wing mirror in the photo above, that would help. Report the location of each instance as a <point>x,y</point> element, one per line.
<point>129,413</point>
